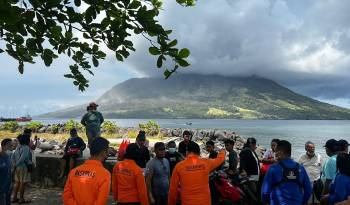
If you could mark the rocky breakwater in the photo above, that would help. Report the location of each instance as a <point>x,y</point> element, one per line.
<point>48,153</point>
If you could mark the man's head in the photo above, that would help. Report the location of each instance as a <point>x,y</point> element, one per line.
<point>209,146</point>
<point>251,143</point>
<point>99,149</point>
<point>6,145</point>
<point>171,147</point>
<point>274,144</point>
<point>283,150</point>
<point>343,164</point>
<point>186,135</point>
<point>141,138</point>
<point>23,139</point>
<point>132,152</point>
<point>343,146</point>
<point>331,147</point>
<point>229,145</point>
<point>193,148</point>
<point>93,106</point>
<point>28,132</point>
<point>310,148</point>
<point>159,149</point>
<point>73,132</point>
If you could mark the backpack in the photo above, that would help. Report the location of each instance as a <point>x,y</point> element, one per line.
<point>289,175</point>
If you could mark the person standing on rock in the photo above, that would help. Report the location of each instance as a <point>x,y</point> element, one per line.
<point>183,146</point>
<point>92,121</point>
<point>89,184</point>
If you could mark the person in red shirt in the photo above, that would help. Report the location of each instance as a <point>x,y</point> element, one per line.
<point>128,182</point>
<point>89,184</point>
<point>192,175</point>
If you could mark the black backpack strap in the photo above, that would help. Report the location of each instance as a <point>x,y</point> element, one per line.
<point>286,177</point>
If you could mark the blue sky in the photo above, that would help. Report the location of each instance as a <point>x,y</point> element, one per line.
<point>302,44</point>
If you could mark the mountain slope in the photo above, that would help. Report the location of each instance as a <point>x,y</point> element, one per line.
<point>207,96</point>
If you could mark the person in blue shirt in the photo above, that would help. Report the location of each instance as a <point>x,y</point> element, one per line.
<point>340,188</point>
<point>5,172</point>
<point>329,169</point>
<point>286,182</point>
<point>73,150</point>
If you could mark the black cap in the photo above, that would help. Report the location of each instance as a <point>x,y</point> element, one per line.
<point>332,144</point>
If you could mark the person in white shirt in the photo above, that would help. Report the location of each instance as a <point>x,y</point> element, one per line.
<point>312,163</point>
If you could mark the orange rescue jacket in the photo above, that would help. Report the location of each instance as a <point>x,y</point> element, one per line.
<point>128,183</point>
<point>192,175</point>
<point>88,184</point>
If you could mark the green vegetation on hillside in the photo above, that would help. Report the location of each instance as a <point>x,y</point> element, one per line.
<point>208,96</point>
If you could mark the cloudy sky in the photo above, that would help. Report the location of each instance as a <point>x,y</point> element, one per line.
<point>301,44</point>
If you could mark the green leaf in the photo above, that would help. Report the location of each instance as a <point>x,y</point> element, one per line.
<point>154,51</point>
<point>68,76</point>
<point>172,43</point>
<point>1,51</point>
<point>184,53</point>
<point>95,61</point>
<point>134,4</point>
<point>167,73</point>
<point>21,67</point>
<point>160,61</point>
<point>183,63</point>
<point>118,56</point>
<point>85,35</point>
<point>77,2</point>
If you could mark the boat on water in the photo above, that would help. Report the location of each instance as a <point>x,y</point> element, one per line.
<point>19,119</point>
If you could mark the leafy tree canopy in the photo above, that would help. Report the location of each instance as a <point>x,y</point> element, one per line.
<point>49,28</point>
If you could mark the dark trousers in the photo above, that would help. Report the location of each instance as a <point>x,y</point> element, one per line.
<point>161,200</point>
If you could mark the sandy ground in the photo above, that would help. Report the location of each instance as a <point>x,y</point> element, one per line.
<point>39,196</point>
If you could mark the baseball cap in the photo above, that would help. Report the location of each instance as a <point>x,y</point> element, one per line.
<point>331,144</point>
<point>93,104</point>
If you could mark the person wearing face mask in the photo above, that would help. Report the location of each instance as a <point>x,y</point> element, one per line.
<point>157,176</point>
<point>5,172</point>
<point>172,155</point>
<point>89,184</point>
<point>312,163</point>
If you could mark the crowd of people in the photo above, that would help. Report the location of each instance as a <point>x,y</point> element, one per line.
<point>181,175</point>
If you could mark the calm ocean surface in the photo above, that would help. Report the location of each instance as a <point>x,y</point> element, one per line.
<point>295,131</point>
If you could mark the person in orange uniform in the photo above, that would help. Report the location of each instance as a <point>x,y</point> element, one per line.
<point>128,182</point>
<point>89,184</point>
<point>192,175</point>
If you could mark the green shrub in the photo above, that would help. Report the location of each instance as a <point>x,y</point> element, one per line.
<point>151,128</point>
<point>10,126</point>
<point>132,133</point>
<point>110,127</point>
<point>70,124</point>
<point>34,125</point>
<point>54,129</point>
